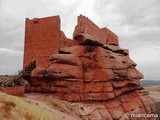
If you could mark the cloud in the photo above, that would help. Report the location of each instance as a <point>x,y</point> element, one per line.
<point>146,54</point>
<point>9,51</point>
<point>138,27</point>
<point>136,22</point>
<point>130,17</point>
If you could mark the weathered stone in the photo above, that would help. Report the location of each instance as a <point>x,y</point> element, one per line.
<point>105,114</point>
<point>98,75</point>
<point>135,82</point>
<point>119,84</point>
<point>92,69</point>
<point>148,103</point>
<point>65,42</point>
<point>16,91</point>
<point>121,74</point>
<point>112,103</point>
<point>132,104</point>
<point>38,72</point>
<point>98,96</point>
<point>67,82</point>
<point>65,59</point>
<point>72,97</point>
<point>75,50</point>
<point>94,51</point>
<point>64,71</point>
<point>116,112</point>
<point>88,40</point>
<point>116,49</point>
<point>97,87</point>
<point>104,35</point>
<point>134,74</point>
<point>41,40</point>
<point>125,89</point>
<point>98,63</point>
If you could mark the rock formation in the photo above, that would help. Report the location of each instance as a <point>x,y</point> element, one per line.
<point>91,68</point>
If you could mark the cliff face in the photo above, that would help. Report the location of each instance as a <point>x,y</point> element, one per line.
<point>95,71</point>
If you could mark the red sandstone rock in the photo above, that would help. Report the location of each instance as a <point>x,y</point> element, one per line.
<point>98,87</point>
<point>65,71</point>
<point>112,103</point>
<point>72,97</point>
<point>65,59</point>
<point>38,72</point>
<point>92,68</point>
<point>116,112</point>
<point>97,75</point>
<point>119,84</point>
<point>75,50</point>
<point>98,96</point>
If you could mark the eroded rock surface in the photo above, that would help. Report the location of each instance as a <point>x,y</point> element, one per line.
<point>92,70</point>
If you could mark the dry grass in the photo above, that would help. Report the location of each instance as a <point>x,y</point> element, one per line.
<point>158,108</point>
<point>15,108</point>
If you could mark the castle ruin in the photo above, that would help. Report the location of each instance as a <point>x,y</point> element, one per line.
<point>91,67</point>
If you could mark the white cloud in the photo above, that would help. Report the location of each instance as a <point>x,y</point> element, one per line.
<point>10,52</point>
<point>146,54</point>
<point>66,2</point>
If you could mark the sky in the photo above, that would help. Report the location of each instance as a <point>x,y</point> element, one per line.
<point>136,22</point>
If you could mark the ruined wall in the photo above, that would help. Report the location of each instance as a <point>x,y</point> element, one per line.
<point>94,69</point>
<point>86,26</point>
<point>16,90</point>
<point>110,37</point>
<point>41,40</point>
<point>65,42</point>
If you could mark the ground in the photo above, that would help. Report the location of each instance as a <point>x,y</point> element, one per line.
<point>154,92</point>
<point>15,108</point>
<point>64,109</point>
<point>36,106</point>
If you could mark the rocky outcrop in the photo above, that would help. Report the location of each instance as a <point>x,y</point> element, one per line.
<point>101,75</point>
<point>96,72</point>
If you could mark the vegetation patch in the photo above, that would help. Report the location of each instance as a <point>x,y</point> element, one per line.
<point>15,108</point>
<point>158,108</point>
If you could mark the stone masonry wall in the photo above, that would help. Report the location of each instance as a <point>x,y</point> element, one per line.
<point>41,40</point>
<point>16,90</point>
<point>85,25</point>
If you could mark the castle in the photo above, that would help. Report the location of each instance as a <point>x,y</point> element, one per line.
<point>91,67</point>
<point>43,37</point>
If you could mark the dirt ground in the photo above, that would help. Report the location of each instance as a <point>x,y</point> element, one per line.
<point>64,109</point>
<point>154,91</point>
<point>70,111</point>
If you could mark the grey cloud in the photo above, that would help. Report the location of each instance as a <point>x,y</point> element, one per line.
<point>130,15</point>
<point>151,71</point>
<point>10,64</point>
<point>136,22</point>
<point>138,27</point>
<point>10,52</point>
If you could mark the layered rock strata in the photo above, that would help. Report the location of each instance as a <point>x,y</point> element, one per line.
<point>95,72</point>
